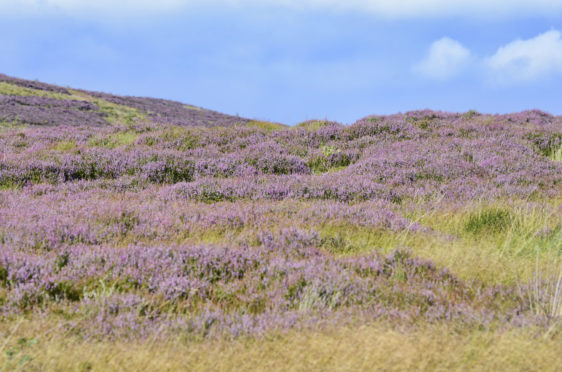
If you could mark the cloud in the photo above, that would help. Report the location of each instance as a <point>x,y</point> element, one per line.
<point>445,59</point>
<point>382,8</point>
<point>88,8</point>
<point>528,60</point>
<point>438,8</point>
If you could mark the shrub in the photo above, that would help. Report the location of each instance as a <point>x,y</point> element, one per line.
<point>169,171</point>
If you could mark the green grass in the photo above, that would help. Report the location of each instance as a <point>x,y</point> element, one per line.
<point>191,107</point>
<point>312,125</point>
<point>489,220</point>
<point>9,185</point>
<point>15,90</point>
<point>64,146</point>
<point>347,240</point>
<point>7,126</point>
<point>115,140</point>
<point>266,125</point>
<point>119,114</point>
<point>556,154</point>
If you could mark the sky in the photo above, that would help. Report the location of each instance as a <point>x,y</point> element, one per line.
<point>290,61</point>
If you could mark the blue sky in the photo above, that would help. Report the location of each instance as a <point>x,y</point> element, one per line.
<point>289,61</point>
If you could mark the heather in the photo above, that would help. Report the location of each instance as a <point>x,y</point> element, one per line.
<point>145,222</point>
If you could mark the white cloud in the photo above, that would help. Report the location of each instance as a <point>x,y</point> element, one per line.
<point>383,8</point>
<point>527,60</point>
<point>445,59</point>
<point>90,7</point>
<point>437,8</point>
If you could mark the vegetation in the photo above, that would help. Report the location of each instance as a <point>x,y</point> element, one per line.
<point>135,237</point>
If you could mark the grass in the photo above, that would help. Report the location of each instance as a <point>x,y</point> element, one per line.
<point>7,126</point>
<point>15,90</point>
<point>556,154</point>
<point>545,295</point>
<point>191,107</point>
<point>65,146</point>
<point>266,125</point>
<point>119,114</point>
<point>489,220</point>
<point>313,125</point>
<point>377,346</point>
<point>115,140</point>
<point>496,243</point>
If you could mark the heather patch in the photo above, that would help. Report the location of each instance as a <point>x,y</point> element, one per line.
<point>47,111</point>
<point>224,286</point>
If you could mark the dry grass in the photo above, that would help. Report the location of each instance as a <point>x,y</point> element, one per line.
<point>504,252</point>
<point>367,348</point>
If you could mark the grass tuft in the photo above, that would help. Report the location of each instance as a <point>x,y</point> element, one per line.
<point>490,220</point>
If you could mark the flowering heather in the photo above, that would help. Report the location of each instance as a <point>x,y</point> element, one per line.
<point>171,112</point>
<point>49,111</point>
<point>131,218</point>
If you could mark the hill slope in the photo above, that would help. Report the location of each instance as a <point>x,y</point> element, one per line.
<point>138,237</point>
<point>36,103</point>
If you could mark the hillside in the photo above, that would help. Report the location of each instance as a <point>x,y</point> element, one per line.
<point>36,103</point>
<point>139,232</point>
